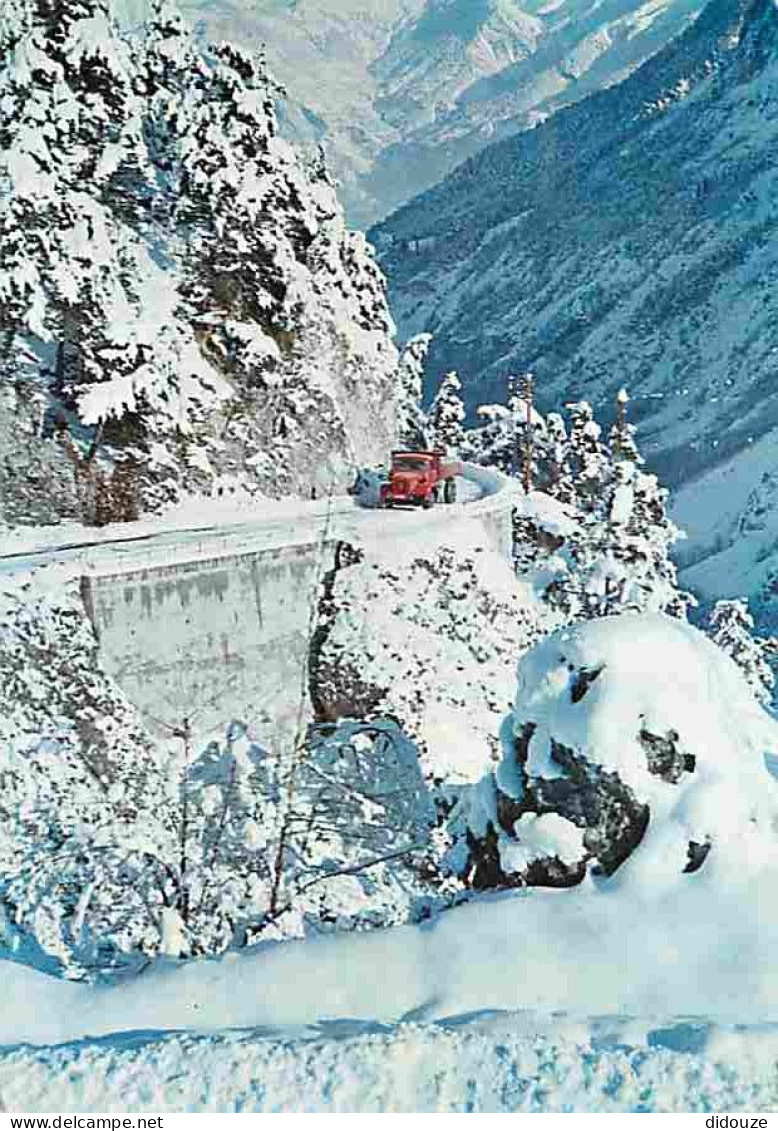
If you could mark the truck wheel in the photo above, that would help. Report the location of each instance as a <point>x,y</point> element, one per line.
<point>450,491</point>
<point>428,501</point>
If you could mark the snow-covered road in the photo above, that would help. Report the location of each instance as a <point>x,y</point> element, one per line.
<point>214,528</point>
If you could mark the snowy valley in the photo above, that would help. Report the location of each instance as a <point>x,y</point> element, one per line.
<point>626,241</point>
<point>400,92</point>
<point>311,798</point>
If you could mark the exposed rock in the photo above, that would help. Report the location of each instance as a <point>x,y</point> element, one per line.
<point>664,758</point>
<point>595,800</point>
<point>583,681</point>
<point>698,854</point>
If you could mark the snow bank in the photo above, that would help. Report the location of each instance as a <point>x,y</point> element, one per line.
<point>490,1064</point>
<point>695,950</point>
<point>652,700</point>
<point>651,941</point>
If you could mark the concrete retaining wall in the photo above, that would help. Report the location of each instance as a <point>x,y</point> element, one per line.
<point>227,637</point>
<point>212,640</point>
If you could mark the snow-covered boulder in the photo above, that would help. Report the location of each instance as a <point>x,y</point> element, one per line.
<point>631,737</point>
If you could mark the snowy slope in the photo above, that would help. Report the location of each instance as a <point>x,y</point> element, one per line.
<point>627,241</point>
<point>707,936</point>
<point>704,952</point>
<point>462,1011</point>
<point>400,91</point>
<point>498,1063</point>
<point>731,519</point>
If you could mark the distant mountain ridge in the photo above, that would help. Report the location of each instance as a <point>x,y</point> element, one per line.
<point>631,240</point>
<point>626,241</point>
<point>401,91</point>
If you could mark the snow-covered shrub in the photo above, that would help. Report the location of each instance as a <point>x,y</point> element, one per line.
<point>363,849</point>
<point>115,848</point>
<point>632,738</point>
<point>427,635</point>
<point>332,835</point>
<point>86,831</point>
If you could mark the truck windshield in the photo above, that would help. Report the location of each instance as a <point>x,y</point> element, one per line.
<point>409,463</point>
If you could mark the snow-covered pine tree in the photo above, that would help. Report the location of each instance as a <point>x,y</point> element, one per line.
<point>173,276</point>
<point>497,441</point>
<point>491,441</point>
<point>446,414</point>
<point>731,626</point>
<point>52,144</point>
<point>411,419</point>
<point>589,462</point>
<point>85,297</point>
<point>634,569</point>
<point>618,555</point>
<point>558,479</point>
<point>622,433</point>
<point>286,301</point>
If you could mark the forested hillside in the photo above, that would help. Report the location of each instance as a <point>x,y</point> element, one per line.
<point>182,307</point>
<point>628,240</point>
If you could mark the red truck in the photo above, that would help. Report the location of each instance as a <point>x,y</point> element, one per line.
<point>420,479</point>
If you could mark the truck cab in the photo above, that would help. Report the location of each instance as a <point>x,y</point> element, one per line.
<point>420,478</point>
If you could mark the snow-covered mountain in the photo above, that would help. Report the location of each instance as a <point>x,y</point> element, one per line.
<point>627,241</point>
<point>731,517</point>
<point>181,303</point>
<point>401,91</point>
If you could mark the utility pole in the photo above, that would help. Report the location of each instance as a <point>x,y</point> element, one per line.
<point>620,431</point>
<point>527,393</point>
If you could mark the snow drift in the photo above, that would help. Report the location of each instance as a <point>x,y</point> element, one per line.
<point>650,940</point>
<point>638,730</point>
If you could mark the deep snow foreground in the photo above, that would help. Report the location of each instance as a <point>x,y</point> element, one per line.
<point>651,941</point>
<point>493,1063</point>
<point>691,950</point>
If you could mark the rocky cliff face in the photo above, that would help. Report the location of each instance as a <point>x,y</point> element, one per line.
<point>182,305</point>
